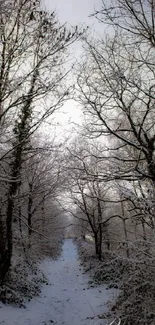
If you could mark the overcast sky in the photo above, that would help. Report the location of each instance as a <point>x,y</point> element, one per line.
<point>74,11</point>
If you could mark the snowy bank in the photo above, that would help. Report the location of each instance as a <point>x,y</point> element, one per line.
<point>67,299</point>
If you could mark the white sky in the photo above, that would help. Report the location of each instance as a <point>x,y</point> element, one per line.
<point>74,12</point>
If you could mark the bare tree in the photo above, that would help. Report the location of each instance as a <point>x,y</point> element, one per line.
<point>114,89</point>
<point>88,191</point>
<point>32,74</point>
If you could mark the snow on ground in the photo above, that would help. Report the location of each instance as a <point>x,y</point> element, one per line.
<point>66,300</point>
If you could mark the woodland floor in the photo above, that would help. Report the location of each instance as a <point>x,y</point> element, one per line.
<point>66,299</point>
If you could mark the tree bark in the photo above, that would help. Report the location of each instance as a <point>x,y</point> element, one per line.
<point>9,229</point>
<point>30,211</point>
<point>2,250</point>
<point>126,239</point>
<point>125,231</point>
<point>98,244</point>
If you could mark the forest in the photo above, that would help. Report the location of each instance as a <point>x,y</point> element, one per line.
<point>94,181</point>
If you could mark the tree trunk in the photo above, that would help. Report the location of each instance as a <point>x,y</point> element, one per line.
<point>9,212</point>
<point>126,239</point>
<point>2,251</point>
<point>43,216</point>
<point>99,234</point>
<point>7,254</point>
<point>30,211</point>
<point>9,229</point>
<point>108,240</point>
<point>20,225</point>
<point>125,231</point>
<point>98,244</point>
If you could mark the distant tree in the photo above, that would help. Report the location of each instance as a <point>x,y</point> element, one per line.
<point>88,192</point>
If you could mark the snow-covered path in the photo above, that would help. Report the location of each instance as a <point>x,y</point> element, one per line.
<point>67,300</point>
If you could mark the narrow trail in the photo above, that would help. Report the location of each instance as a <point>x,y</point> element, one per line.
<point>67,300</point>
